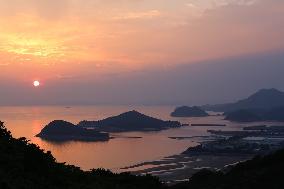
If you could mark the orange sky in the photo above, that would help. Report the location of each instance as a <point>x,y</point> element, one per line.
<point>51,39</point>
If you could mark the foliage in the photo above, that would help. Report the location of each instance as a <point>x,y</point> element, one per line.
<point>260,173</point>
<point>24,165</point>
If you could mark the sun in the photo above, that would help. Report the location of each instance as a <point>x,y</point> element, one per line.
<point>36,83</point>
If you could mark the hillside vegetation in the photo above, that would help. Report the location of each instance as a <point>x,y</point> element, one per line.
<point>25,166</point>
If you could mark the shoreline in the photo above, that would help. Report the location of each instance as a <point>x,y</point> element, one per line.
<point>181,167</point>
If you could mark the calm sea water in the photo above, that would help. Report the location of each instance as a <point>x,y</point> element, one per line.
<point>116,153</point>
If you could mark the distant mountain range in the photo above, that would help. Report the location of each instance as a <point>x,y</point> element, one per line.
<point>263,99</point>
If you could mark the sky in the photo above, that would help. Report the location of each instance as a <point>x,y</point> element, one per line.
<point>139,51</point>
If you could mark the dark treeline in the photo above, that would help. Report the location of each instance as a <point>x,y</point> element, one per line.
<point>25,166</point>
<point>259,173</point>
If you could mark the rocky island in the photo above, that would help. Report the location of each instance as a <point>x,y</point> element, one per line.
<point>60,130</point>
<point>186,111</point>
<point>130,121</point>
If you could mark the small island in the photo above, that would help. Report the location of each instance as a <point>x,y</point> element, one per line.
<point>186,111</point>
<point>60,130</point>
<point>130,121</point>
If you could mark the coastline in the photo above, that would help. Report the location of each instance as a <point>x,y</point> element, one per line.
<point>178,168</point>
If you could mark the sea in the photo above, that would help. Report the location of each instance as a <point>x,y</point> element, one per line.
<point>125,149</point>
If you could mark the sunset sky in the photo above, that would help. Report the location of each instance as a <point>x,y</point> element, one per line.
<point>105,49</point>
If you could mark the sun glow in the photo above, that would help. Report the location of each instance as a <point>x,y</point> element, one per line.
<point>37,47</point>
<point>36,83</point>
<point>34,41</point>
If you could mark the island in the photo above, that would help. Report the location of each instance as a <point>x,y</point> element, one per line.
<point>60,130</point>
<point>186,111</point>
<point>242,116</point>
<point>130,121</point>
<point>253,115</point>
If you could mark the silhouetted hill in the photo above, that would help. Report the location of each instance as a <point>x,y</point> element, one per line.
<point>258,173</point>
<point>60,130</point>
<point>275,114</point>
<point>185,111</point>
<point>25,166</point>
<point>130,121</point>
<point>251,115</point>
<point>242,116</point>
<point>263,99</point>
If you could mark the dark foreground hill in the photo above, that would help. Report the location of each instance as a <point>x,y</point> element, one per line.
<point>24,166</point>
<point>130,121</point>
<point>262,99</point>
<point>259,173</point>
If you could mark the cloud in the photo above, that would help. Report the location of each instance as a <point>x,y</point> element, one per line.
<point>48,9</point>
<point>138,15</point>
<point>136,34</point>
<point>65,76</point>
<point>4,64</point>
<point>198,8</point>
<point>233,29</point>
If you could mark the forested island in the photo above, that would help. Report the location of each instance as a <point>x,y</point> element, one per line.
<point>186,111</point>
<point>60,130</point>
<point>130,121</point>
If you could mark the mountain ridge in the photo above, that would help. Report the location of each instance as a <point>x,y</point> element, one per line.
<point>262,99</point>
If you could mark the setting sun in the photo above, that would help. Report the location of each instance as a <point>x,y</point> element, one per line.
<point>36,83</point>
<point>176,90</point>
